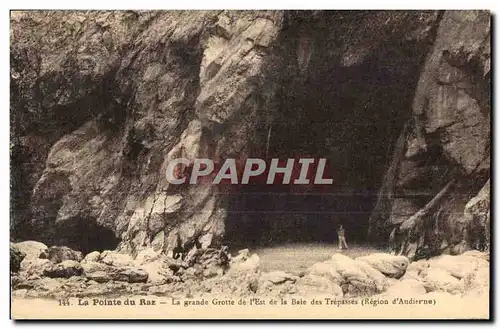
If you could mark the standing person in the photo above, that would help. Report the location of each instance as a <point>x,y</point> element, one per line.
<point>341,235</point>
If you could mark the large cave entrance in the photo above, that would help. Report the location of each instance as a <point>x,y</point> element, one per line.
<point>350,115</point>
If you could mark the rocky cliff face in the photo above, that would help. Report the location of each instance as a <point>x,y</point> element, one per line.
<point>443,157</point>
<point>101,102</point>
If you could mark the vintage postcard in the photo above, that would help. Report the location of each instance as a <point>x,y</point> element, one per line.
<point>250,164</point>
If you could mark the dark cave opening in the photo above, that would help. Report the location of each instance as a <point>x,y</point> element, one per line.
<point>352,116</point>
<point>86,235</point>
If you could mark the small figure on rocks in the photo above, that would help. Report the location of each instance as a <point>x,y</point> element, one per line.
<point>179,250</point>
<point>341,235</point>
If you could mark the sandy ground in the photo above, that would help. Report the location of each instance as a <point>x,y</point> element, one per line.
<point>298,257</point>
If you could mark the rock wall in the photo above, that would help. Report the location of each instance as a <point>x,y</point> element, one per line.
<point>443,158</point>
<point>103,101</point>
<point>121,94</point>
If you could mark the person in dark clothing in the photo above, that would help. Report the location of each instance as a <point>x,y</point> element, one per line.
<point>341,235</point>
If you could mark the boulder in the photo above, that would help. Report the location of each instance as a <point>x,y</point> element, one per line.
<point>316,285</point>
<point>418,266</point>
<point>92,257</point>
<point>276,283</point>
<point>100,272</point>
<point>406,287</point>
<point>82,165</point>
<point>366,279</point>
<point>325,269</point>
<point>100,289</point>
<point>177,265</point>
<point>46,287</point>
<point>355,276</point>
<point>130,275</point>
<point>212,256</point>
<point>19,293</point>
<point>32,249</point>
<point>64,269</point>
<point>478,282</point>
<point>98,276</point>
<point>277,277</point>
<point>16,257</point>
<point>478,254</point>
<point>146,256</point>
<point>58,254</point>
<point>114,258</point>
<point>458,266</point>
<point>156,265</point>
<point>34,268</point>
<point>158,271</point>
<point>212,271</point>
<point>380,281</point>
<point>346,267</point>
<point>459,248</point>
<point>390,265</point>
<point>244,263</point>
<point>437,279</point>
<point>206,240</point>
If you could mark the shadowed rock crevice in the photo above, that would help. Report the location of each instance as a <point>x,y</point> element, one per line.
<point>350,115</point>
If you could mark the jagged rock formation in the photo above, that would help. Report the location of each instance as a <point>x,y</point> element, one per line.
<point>443,159</point>
<point>16,257</point>
<point>103,101</point>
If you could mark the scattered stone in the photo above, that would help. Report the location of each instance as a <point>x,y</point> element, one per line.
<point>34,268</point>
<point>244,263</point>
<point>94,256</point>
<point>325,269</point>
<point>58,254</point>
<point>177,265</point>
<point>390,265</point>
<point>211,256</point>
<point>406,287</point>
<point>277,277</point>
<point>478,254</point>
<point>458,266</point>
<point>253,286</point>
<point>379,280</point>
<point>158,270</point>
<point>103,273</point>
<point>206,240</point>
<point>19,293</point>
<point>114,258</point>
<point>478,282</point>
<point>315,285</point>
<point>358,278</point>
<point>460,248</point>
<point>146,256</point>
<point>48,285</point>
<point>130,275</point>
<point>64,269</point>
<point>98,276</point>
<point>213,271</point>
<point>437,279</point>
